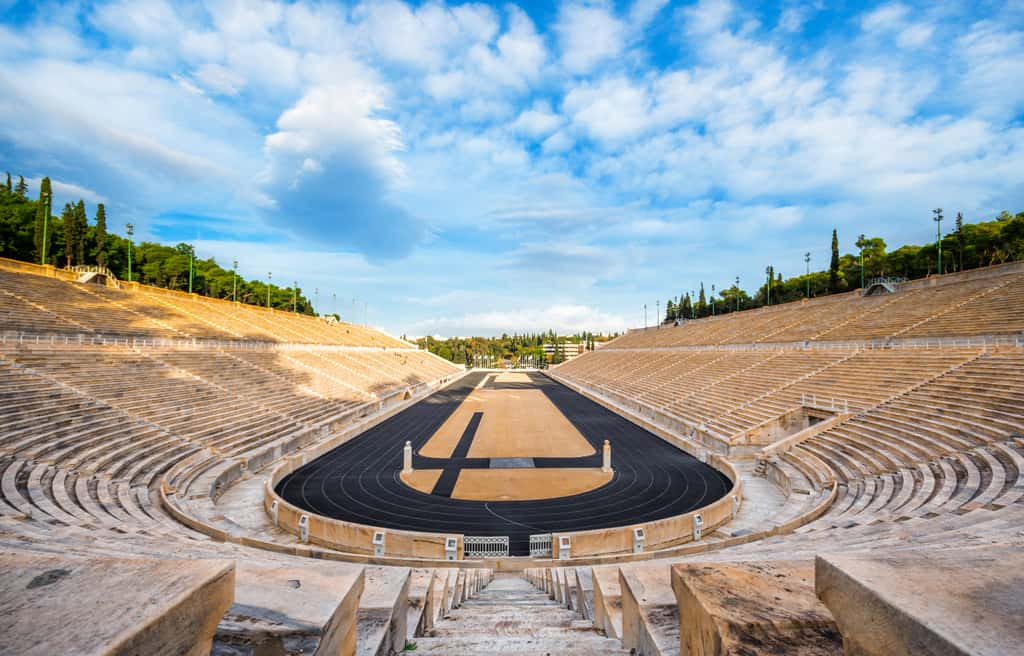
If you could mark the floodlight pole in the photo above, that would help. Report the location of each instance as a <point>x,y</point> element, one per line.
<point>938,234</point>
<point>768,272</point>
<point>234,282</point>
<point>807,261</point>
<point>737,293</point>
<point>645,316</point>
<point>295,298</point>
<point>131,231</point>
<point>270,277</point>
<point>712,300</point>
<point>191,258</point>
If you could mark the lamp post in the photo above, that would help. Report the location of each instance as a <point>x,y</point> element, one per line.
<point>645,316</point>
<point>712,300</point>
<point>807,261</point>
<point>693,304</point>
<point>295,298</point>
<point>737,293</point>
<point>234,282</point>
<point>768,272</point>
<point>131,231</point>
<point>47,202</point>
<point>937,217</point>
<point>270,276</point>
<point>334,304</point>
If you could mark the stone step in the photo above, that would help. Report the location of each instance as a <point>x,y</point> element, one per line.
<point>579,646</point>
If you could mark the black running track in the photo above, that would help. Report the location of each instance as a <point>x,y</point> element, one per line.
<point>359,481</point>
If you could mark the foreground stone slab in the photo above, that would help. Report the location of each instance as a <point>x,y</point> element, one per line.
<point>63,605</point>
<point>292,610</point>
<point>382,615</point>
<point>968,601</point>
<point>752,608</point>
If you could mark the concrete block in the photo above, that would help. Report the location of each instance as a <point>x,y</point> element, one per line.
<point>752,608</point>
<point>66,605</point>
<point>961,601</point>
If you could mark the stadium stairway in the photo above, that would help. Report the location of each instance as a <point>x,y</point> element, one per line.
<point>510,616</point>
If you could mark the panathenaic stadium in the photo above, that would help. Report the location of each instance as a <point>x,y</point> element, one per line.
<point>183,475</point>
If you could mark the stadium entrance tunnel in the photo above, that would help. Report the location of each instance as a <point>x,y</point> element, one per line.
<point>525,470</point>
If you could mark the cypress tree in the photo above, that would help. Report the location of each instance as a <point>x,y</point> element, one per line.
<point>41,209</point>
<point>81,228</point>
<point>22,189</point>
<point>960,239</point>
<point>67,219</point>
<point>101,235</point>
<point>8,186</point>
<point>833,267</point>
<point>702,302</point>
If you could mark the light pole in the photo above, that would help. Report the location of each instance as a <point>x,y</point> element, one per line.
<point>861,243</point>
<point>334,304</point>
<point>270,276</point>
<point>47,202</point>
<point>295,298</point>
<point>693,304</point>
<point>131,231</point>
<point>712,300</point>
<point>234,282</point>
<point>645,316</point>
<point>737,293</point>
<point>807,261</point>
<point>191,258</point>
<point>657,311</point>
<point>938,234</point>
<point>768,272</point>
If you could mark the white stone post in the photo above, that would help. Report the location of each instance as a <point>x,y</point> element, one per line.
<point>407,458</point>
<point>606,465</point>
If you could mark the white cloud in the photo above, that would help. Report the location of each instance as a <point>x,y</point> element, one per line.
<point>562,318</point>
<point>610,110</point>
<point>537,121</point>
<point>588,35</point>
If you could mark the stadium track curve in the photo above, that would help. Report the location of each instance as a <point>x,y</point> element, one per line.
<point>359,480</point>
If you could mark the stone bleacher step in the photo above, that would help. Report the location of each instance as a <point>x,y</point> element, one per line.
<point>64,605</point>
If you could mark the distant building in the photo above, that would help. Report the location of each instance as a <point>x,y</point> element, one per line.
<point>569,350</point>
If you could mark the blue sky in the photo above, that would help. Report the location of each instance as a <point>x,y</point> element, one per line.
<point>479,168</point>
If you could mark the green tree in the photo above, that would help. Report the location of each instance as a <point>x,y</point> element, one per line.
<point>45,197</point>
<point>22,189</point>
<point>960,240</point>
<point>833,267</point>
<point>670,310</point>
<point>100,235</point>
<point>8,187</point>
<point>702,302</point>
<point>81,229</point>
<point>67,220</point>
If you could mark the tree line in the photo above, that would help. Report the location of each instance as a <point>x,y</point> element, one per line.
<point>967,246</point>
<point>528,347</point>
<point>71,239</point>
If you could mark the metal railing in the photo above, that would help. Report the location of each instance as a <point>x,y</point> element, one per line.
<point>485,546</point>
<point>829,403</point>
<point>540,545</point>
<point>896,343</point>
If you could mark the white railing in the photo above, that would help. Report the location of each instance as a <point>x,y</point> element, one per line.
<point>485,546</point>
<point>976,341</point>
<point>540,545</point>
<point>183,343</point>
<point>829,403</point>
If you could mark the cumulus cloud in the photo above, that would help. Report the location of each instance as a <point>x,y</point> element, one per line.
<point>568,318</point>
<point>332,167</point>
<point>588,35</point>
